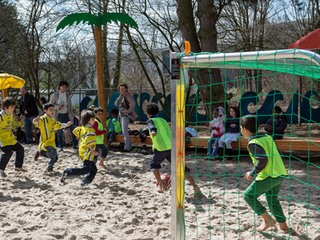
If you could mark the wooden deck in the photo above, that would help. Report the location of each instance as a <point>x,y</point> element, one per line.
<point>287,143</point>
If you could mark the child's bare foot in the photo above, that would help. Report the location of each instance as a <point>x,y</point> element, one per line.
<point>160,188</point>
<point>101,164</point>
<point>266,224</point>
<point>283,226</point>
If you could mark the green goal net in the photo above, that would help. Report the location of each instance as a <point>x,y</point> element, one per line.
<point>255,83</point>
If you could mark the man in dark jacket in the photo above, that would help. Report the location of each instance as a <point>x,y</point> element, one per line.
<point>276,124</point>
<point>29,109</point>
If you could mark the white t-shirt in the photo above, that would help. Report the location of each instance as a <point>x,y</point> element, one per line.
<point>63,101</point>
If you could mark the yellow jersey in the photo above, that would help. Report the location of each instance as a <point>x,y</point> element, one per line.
<point>6,136</point>
<point>48,127</point>
<point>87,136</point>
<point>18,124</point>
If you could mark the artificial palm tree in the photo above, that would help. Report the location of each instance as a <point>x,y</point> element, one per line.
<point>98,21</point>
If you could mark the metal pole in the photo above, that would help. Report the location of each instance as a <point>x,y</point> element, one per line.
<point>177,151</point>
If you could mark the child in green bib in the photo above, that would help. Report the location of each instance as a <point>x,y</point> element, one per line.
<point>269,172</point>
<point>100,133</point>
<point>160,134</point>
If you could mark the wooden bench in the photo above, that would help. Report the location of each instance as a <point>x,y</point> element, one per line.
<point>287,143</point>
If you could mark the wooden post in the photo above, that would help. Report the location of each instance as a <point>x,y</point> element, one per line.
<point>99,66</point>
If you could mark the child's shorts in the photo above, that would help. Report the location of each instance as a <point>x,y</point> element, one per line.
<point>158,157</point>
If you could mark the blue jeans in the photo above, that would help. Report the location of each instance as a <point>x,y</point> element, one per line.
<point>127,140</point>
<point>27,129</point>
<point>52,154</point>
<point>7,153</point>
<point>104,151</point>
<point>64,118</point>
<point>215,148</point>
<point>89,168</point>
<point>110,136</point>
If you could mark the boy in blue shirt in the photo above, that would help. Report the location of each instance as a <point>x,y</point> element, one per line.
<point>160,134</point>
<point>115,127</point>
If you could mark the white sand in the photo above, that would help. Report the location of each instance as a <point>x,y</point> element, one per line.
<point>121,202</point>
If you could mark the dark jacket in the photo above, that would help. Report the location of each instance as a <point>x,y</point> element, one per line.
<point>279,125</point>
<point>28,103</point>
<point>235,129</point>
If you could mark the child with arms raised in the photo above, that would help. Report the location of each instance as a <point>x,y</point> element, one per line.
<point>8,142</point>
<point>269,172</point>
<point>100,132</point>
<point>48,127</point>
<point>160,134</point>
<point>87,137</point>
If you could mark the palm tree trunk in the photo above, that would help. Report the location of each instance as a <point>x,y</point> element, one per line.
<point>99,62</point>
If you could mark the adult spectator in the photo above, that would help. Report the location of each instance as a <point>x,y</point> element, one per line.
<point>63,112</point>
<point>126,105</point>
<point>29,109</point>
<point>276,124</point>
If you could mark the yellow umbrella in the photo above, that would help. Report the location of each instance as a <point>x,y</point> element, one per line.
<point>9,80</point>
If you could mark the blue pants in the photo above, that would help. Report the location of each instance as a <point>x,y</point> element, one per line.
<point>215,148</point>
<point>7,153</point>
<point>52,154</point>
<point>110,136</point>
<point>27,129</point>
<point>158,157</point>
<point>64,118</point>
<point>104,151</point>
<point>89,168</point>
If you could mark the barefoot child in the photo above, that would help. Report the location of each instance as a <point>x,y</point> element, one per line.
<point>160,134</point>
<point>100,132</point>
<point>47,141</point>
<point>87,137</point>
<point>8,142</point>
<point>269,172</point>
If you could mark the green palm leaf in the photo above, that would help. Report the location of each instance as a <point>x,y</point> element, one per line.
<point>96,20</point>
<point>115,17</point>
<point>77,17</point>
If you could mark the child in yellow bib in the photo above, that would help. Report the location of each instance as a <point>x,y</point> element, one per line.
<point>48,127</point>
<point>8,142</point>
<point>269,172</point>
<point>160,134</point>
<point>87,139</point>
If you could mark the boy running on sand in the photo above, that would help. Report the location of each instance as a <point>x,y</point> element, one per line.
<point>87,137</point>
<point>269,172</point>
<point>100,132</point>
<point>8,142</point>
<point>160,134</point>
<point>48,127</point>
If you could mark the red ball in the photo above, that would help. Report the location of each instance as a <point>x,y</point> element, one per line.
<point>166,182</point>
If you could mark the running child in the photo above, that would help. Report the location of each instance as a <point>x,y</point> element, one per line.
<point>268,171</point>
<point>100,132</point>
<point>160,134</point>
<point>8,142</point>
<point>48,127</point>
<point>87,137</point>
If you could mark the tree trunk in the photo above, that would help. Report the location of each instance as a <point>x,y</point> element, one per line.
<point>205,41</point>
<point>100,85</point>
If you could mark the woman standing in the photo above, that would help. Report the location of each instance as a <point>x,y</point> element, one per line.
<point>126,105</point>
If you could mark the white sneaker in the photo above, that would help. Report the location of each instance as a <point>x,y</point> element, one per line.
<point>20,169</point>
<point>60,149</point>
<point>2,173</point>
